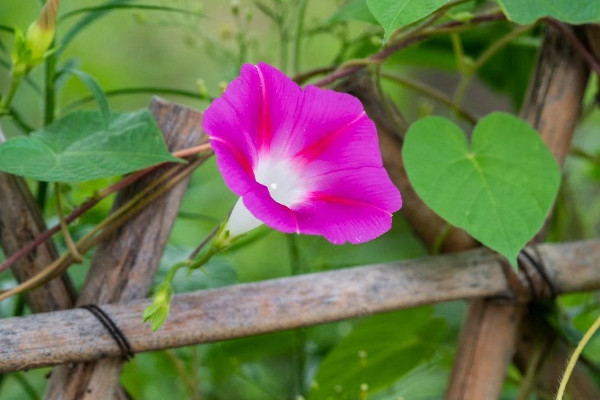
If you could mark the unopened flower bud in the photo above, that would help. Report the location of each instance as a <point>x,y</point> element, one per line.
<point>222,87</point>
<point>41,33</point>
<point>158,311</point>
<point>202,90</point>
<point>30,49</point>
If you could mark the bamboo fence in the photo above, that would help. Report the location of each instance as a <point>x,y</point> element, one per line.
<point>123,268</point>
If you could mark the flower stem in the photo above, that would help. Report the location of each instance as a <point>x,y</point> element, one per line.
<point>469,71</point>
<point>430,92</point>
<point>49,111</point>
<point>573,360</point>
<point>298,36</point>
<point>5,105</point>
<point>449,27</point>
<point>64,228</point>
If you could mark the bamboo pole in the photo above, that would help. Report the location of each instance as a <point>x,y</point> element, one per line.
<point>20,220</point>
<point>491,331</point>
<point>124,265</point>
<point>250,309</point>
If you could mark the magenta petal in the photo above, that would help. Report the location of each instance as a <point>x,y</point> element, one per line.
<point>275,215</point>
<point>257,105</point>
<point>351,205</point>
<point>302,161</point>
<point>281,100</point>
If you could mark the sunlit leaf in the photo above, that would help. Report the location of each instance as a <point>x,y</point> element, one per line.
<point>80,147</point>
<point>355,10</point>
<point>500,189</point>
<point>570,11</point>
<point>394,14</point>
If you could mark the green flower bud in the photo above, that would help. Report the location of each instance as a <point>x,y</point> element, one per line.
<point>202,89</point>
<point>31,49</point>
<point>41,33</point>
<point>158,311</point>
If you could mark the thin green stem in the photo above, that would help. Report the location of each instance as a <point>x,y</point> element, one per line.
<point>441,238</point>
<point>579,152</point>
<point>459,53</point>
<point>431,92</point>
<point>110,7</point>
<point>20,122</point>
<point>470,71</point>
<point>139,90</point>
<point>195,261</point>
<point>299,356</point>
<point>500,43</point>
<point>64,227</point>
<point>394,115</point>
<point>304,76</point>
<point>573,360</point>
<point>49,112</point>
<point>188,381</point>
<point>14,84</point>
<point>384,54</point>
<point>298,36</point>
<point>430,21</point>
<point>6,28</point>
<point>529,380</point>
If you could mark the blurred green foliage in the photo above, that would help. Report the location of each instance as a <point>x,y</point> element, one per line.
<point>135,51</point>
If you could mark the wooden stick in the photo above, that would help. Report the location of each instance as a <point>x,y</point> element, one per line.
<point>491,332</point>
<point>21,220</point>
<point>280,304</point>
<point>133,254</point>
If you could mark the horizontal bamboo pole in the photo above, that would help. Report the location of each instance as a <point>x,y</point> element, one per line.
<point>274,305</point>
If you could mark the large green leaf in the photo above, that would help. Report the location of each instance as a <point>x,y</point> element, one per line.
<point>500,190</point>
<point>394,14</point>
<point>570,11</point>
<point>379,351</point>
<point>81,147</point>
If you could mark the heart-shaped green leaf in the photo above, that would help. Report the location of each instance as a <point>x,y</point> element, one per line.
<point>394,14</point>
<point>500,190</point>
<point>570,11</point>
<point>81,147</point>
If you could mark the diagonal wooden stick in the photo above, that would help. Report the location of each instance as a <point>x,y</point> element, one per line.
<point>124,265</point>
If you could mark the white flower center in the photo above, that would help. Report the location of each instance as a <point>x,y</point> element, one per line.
<point>282,179</point>
<point>285,187</point>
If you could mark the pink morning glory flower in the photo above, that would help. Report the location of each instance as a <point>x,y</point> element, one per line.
<point>304,161</point>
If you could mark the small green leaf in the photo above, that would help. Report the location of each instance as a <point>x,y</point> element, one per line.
<point>158,311</point>
<point>500,190</point>
<point>95,89</point>
<point>394,14</point>
<point>403,340</point>
<point>78,148</point>
<point>569,11</point>
<point>355,10</point>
